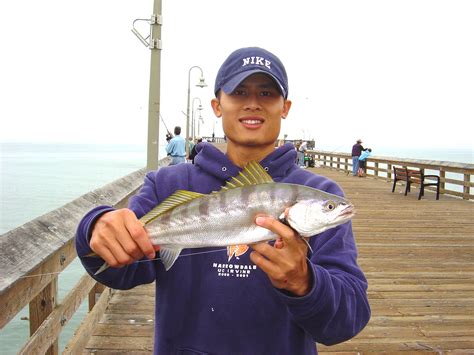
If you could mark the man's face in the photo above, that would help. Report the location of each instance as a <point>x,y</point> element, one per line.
<point>251,114</point>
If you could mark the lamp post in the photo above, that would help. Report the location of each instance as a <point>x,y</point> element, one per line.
<point>201,84</point>
<point>200,120</point>
<point>193,125</point>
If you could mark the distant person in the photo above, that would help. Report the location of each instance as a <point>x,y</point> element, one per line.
<point>190,143</point>
<point>301,154</point>
<point>193,153</point>
<point>176,148</point>
<point>357,149</point>
<point>362,171</point>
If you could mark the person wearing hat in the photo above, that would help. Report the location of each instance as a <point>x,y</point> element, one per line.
<point>272,298</point>
<point>356,151</point>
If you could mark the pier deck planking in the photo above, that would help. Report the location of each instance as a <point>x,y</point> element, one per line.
<point>417,255</point>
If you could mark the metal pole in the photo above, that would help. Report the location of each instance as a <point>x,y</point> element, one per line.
<point>154,93</point>
<point>193,122</point>
<point>189,104</point>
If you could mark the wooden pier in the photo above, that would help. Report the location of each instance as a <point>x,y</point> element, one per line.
<point>418,256</point>
<point>419,260</point>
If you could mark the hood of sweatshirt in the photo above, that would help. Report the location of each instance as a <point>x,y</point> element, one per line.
<point>216,163</point>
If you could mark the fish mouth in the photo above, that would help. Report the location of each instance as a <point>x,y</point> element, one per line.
<point>347,212</point>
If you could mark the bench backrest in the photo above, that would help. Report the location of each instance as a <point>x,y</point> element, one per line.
<point>415,175</point>
<point>400,173</point>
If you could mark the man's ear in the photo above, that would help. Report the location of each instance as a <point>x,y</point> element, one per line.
<point>286,108</point>
<point>216,107</point>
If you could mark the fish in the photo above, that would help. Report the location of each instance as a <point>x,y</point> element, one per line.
<point>226,218</point>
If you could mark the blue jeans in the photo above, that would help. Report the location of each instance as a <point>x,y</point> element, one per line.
<point>300,156</point>
<point>355,165</point>
<point>177,160</point>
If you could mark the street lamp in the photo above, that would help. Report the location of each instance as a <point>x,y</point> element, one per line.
<point>201,84</point>
<point>193,126</point>
<point>200,120</point>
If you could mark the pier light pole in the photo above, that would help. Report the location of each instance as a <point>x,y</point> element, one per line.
<point>193,122</point>
<point>201,84</point>
<point>200,120</point>
<point>153,42</point>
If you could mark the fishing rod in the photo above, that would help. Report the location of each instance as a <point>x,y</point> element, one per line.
<point>168,135</point>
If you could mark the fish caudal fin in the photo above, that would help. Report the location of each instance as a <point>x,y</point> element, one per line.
<point>104,267</point>
<point>168,256</point>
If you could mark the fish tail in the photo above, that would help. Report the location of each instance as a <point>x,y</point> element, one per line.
<point>104,267</point>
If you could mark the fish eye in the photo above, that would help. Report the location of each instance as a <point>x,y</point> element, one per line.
<point>330,205</point>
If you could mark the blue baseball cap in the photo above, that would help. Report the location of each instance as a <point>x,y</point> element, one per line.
<point>244,62</point>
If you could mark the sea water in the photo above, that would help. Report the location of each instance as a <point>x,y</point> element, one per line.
<point>37,178</point>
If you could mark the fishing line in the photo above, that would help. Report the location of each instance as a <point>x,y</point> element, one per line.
<point>181,255</point>
<point>138,261</point>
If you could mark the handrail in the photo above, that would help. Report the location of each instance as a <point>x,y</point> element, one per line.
<point>452,174</point>
<point>33,255</point>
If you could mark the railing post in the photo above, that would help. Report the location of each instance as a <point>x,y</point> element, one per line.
<point>41,307</point>
<point>97,289</point>
<point>466,187</point>
<point>442,180</point>
<point>389,172</point>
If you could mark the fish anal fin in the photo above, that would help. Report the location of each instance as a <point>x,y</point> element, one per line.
<point>177,198</point>
<point>168,256</point>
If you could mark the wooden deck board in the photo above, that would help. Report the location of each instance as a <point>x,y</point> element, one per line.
<point>417,255</point>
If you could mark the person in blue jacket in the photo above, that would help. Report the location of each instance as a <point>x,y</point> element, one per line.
<point>269,300</point>
<point>363,162</point>
<point>176,148</point>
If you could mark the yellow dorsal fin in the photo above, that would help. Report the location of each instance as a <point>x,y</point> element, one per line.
<point>252,174</point>
<point>177,198</point>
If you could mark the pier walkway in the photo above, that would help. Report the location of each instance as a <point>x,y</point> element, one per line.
<point>419,260</point>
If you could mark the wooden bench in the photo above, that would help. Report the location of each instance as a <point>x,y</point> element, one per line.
<point>415,176</point>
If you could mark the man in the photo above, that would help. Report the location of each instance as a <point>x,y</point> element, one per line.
<point>301,154</point>
<point>356,151</point>
<point>273,298</point>
<point>176,148</point>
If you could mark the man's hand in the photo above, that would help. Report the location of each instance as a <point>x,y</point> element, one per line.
<point>285,263</point>
<point>120,238</point>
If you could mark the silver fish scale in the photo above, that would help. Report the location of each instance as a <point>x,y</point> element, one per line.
<point>217,219</point>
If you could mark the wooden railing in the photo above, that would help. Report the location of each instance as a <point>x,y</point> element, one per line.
<point>32,257</point>
<point>455,178</point>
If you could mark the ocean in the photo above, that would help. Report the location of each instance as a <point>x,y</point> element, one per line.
<point>37,178</point>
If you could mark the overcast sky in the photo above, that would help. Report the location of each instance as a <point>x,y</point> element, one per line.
<point>390,72</point>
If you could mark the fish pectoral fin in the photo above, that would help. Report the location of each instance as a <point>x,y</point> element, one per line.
<point>168,256</point>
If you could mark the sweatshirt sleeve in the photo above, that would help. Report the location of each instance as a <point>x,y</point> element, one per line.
<point>128,276</point>
<point>337,307</point>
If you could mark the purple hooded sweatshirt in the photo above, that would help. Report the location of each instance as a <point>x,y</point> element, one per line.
<point>206,304</point>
